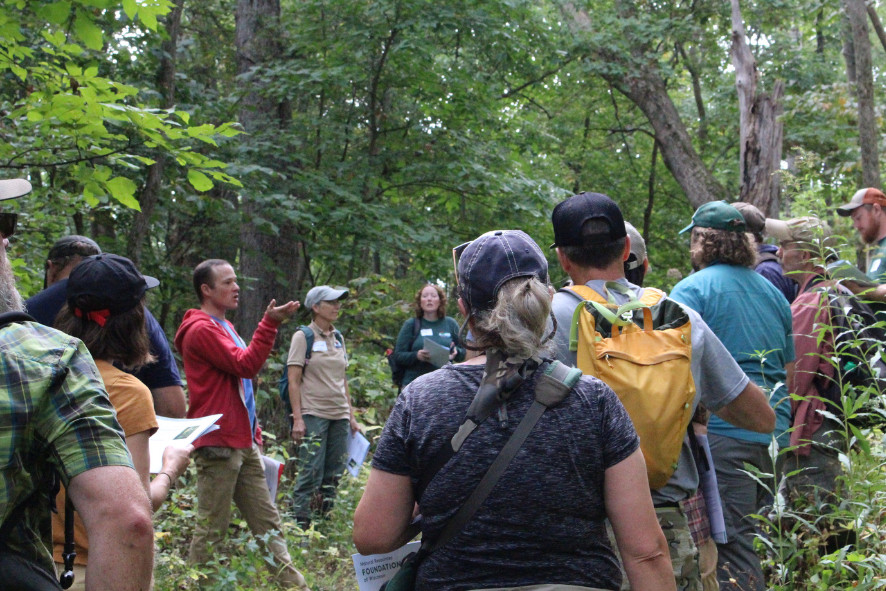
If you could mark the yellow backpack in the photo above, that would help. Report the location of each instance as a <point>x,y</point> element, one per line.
<point>642,350</point>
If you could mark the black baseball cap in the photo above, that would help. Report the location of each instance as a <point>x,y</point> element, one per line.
<point>494,258</point>
<point>107,282</point>
<point>569,216</point>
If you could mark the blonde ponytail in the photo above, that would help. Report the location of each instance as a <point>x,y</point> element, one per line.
<point>517,323</point>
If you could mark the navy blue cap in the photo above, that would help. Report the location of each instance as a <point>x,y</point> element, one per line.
<point>569,216</point>
<point>493,259</point>
<point>107,282</point>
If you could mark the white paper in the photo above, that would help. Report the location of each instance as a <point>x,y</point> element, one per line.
<point>177,432</point>
<point>273,470</point>
<point>439,353</point>
<point>375,570</point>
<point>357,448</point>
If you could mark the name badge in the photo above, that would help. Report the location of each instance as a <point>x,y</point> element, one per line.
<point>427,332</point>
<point>445,334</point>
<point>319,346</point>
<point>875,265</point>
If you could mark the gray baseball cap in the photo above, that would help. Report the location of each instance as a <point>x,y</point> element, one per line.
<point>324,293</point>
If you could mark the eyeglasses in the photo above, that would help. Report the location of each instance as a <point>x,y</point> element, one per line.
<point>456,255</point>
<point>7,224</point>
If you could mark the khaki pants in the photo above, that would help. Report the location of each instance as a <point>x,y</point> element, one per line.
<point>225,474</point>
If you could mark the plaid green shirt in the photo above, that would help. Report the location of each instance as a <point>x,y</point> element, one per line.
<point>54,414</point>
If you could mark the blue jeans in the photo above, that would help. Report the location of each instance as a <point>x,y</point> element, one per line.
<point>321,461</point>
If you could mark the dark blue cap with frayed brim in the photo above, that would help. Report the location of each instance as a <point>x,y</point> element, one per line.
<point>493,259</point>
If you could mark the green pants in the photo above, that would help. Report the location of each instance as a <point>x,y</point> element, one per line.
<point>321,461</point>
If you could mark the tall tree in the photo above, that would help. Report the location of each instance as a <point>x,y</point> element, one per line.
<point>268,251</point>
<point>760,129</point>
<point>150,191</point>
<point>868,130</point>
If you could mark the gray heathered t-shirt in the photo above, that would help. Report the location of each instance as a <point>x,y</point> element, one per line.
<point>718,378</point>
<point>544,521</point>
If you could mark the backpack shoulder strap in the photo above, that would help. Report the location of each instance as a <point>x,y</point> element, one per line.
<point>584,293</point>
<point>416,327</point>
<point>552,387</point>
<point>651,296</point>
<point>10,317</point>
<point>309,339</point>
<point>555,382</point>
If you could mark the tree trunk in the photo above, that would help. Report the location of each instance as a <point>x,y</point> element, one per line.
<point>760,131</point>
<point>266,259</point>
<point>645,88</point>
<point>150,193</point>
<point>856,12</point>
<point>877,24</point>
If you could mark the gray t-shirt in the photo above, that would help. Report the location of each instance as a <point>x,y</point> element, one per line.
<point>544,520</point>
<point>718,378</point>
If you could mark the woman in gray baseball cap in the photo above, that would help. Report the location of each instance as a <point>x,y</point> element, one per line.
<point>322,415</point>
<point>542,524</point>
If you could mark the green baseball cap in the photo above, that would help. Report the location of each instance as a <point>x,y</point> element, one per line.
<point>718,215</point>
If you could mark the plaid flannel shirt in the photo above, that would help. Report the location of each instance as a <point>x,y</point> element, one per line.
<point>54,415</point>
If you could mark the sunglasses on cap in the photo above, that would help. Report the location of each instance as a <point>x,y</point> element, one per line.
<point>456,255</point>
<point>7,224</point>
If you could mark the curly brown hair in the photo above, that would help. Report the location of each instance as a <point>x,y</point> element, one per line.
<point>711,246</point>
<point>416,305</point>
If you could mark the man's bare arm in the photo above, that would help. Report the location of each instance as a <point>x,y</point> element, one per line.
<point>117,514</point>
<point>749,410</point>
<point>170,402</point>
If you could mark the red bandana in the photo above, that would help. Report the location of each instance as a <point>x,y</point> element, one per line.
<point>97,316</point>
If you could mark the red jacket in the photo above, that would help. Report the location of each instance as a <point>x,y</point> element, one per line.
<point>214,365</point>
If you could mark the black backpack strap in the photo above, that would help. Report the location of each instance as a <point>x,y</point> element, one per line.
<point>10,317</point>
<point>309,341</point>
<point>69,553</point>
<point>416,329</point>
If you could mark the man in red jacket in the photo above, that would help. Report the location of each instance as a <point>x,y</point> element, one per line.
<point>219,369</point>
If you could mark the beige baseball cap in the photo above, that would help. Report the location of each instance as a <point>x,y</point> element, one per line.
<point>803,229</point>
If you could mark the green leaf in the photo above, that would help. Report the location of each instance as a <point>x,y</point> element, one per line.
<point>130,8</point>
<point>199,180</point>
<point>57,12</point>
<point>148,17</point>
<point>88,31</point>
<point>123,190</point>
